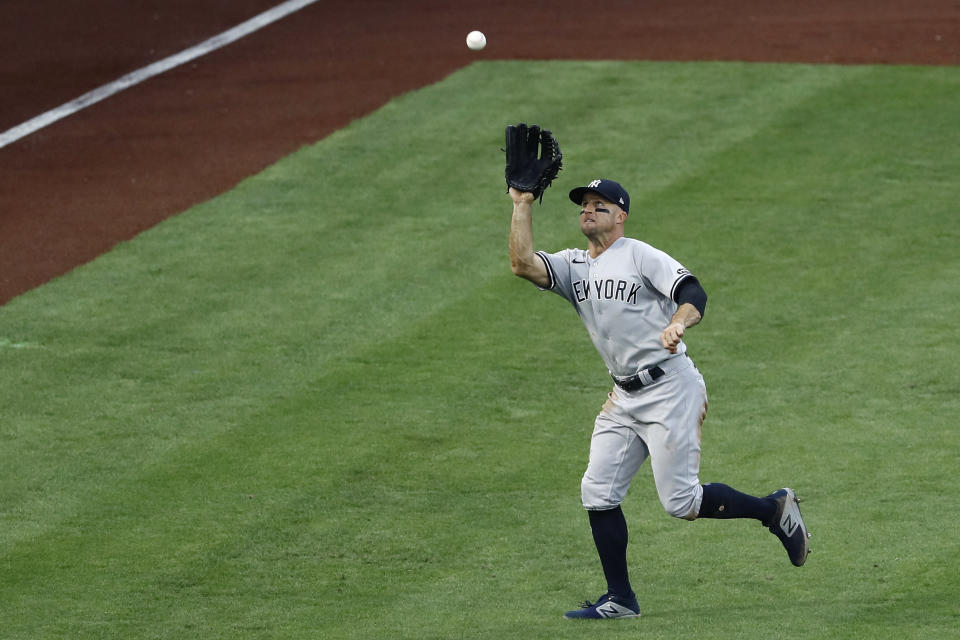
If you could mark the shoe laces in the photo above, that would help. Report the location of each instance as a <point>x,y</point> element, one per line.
<point>604,598</point>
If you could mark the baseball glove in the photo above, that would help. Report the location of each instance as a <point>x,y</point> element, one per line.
<point>533,159</point>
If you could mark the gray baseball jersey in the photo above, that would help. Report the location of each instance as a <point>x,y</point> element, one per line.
<point>624,297</point>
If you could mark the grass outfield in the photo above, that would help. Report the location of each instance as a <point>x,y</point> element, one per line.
<point>321,406</point>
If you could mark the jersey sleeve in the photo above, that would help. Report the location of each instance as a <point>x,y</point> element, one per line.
<point>558,268</point>
<point>662,271</point>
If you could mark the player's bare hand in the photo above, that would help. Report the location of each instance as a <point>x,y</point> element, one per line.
<point>671,336</point>
<point>521,196</point>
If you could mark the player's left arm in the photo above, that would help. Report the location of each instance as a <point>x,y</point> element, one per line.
<point>692,302</point>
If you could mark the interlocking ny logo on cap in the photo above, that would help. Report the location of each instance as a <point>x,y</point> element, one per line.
<point>596,183</point>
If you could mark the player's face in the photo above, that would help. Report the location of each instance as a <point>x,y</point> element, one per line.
<point>597,214</point>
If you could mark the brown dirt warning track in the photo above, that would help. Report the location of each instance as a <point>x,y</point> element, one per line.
<point>72,190</point>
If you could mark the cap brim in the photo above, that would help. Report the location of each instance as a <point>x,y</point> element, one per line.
<point>576,195</point>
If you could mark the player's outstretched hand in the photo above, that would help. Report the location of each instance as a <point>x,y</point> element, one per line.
<point>671,336</point>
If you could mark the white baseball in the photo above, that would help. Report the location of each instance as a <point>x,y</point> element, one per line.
<point>476,40</point>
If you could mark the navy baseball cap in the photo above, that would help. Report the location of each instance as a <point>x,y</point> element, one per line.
<point>609,189</point>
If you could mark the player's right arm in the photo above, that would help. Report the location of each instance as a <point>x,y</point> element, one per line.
<point>523,261</point>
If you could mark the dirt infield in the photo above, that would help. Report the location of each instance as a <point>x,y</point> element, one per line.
<point>71,191</point>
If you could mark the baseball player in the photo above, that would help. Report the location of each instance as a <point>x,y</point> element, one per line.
<point>637,303</point>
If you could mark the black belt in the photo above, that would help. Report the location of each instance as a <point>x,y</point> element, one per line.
<point>637,381</point>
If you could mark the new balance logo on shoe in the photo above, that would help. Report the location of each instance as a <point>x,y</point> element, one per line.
<point>788,524</point>
<point>608,610</point>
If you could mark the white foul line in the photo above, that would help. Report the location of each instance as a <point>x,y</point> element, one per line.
<point>101,93</point>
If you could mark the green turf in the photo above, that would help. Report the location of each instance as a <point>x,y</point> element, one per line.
<point>321,406</point>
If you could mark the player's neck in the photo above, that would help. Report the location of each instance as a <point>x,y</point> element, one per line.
<point>601,242</point>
